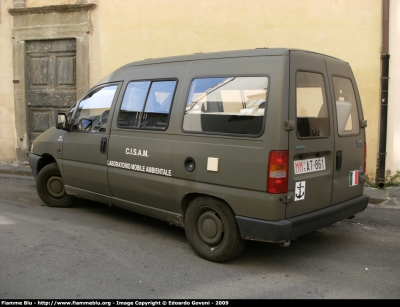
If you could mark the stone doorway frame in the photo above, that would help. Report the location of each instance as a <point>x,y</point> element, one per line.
<point>42,23</point>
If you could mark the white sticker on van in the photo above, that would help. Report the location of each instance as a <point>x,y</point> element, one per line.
<point>300,191</point>
<point>309,165</point>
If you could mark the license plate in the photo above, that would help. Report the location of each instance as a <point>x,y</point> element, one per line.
<point>309,165</point>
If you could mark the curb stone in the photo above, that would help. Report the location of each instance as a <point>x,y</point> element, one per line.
<point>22,169</point>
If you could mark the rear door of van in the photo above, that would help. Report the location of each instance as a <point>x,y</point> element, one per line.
<point>349,135</point>
<point>311,142</point>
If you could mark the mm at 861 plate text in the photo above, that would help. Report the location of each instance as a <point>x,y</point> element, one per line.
<point>309,165</point>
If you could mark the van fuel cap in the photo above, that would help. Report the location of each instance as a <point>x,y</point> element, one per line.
<point>190,165</point>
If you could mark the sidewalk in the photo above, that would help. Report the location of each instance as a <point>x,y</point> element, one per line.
<point>22,169</point>
<point>389,197</point>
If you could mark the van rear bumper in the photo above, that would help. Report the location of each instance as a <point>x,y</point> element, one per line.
<point>283,230</point>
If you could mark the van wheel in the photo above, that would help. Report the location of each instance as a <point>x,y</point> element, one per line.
<point>50,187</point>
<point>211,230</point>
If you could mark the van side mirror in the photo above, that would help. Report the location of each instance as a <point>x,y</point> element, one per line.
<point>62,122</point>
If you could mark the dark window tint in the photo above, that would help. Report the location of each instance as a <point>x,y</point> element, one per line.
<point>93,109</point>
<point>346,107</point>
<point>233,105</point>
<point>312,117</point>
<point>147,104</point>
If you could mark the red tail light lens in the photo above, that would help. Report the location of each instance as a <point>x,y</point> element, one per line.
<point>277,179</point>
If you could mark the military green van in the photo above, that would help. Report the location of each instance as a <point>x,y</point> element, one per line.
<point>263,144</point>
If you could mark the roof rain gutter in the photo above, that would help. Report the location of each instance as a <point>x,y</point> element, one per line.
<point>380,172</point>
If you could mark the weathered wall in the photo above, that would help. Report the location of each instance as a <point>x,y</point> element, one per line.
<point>36,3</point>
<point>393,131</point>
<point>7,120</point>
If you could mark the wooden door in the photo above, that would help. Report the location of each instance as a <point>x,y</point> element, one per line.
<point>51,82</point>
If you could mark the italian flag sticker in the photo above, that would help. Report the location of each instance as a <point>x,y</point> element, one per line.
<point>353,178</point>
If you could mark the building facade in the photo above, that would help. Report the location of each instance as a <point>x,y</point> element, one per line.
<point>53,51</point>
<point>393,127</point>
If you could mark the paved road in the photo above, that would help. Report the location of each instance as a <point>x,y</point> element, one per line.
<point>91,251</point>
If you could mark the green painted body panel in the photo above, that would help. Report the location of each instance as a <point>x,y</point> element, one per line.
<point>83,164</point>
<point>49,142</point>
<point>148,180</point>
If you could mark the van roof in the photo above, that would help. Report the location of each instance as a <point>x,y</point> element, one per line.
<point>220,54</point>
<point>120,73</point>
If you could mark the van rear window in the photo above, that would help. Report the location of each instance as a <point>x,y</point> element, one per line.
<point>312,117</point>
<point>229,105</point>
<point>346,107</point>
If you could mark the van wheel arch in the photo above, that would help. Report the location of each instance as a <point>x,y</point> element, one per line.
<point>45,160</point>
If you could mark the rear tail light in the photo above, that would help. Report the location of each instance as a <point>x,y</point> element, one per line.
<point>277,179</point>
<point>365,157</point>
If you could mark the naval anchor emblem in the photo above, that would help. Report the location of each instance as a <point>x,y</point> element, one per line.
<point>300,191</point>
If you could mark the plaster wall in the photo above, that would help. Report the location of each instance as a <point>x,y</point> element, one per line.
<point>37,3</point>
<point>393,131</point>
<point>7,110</point>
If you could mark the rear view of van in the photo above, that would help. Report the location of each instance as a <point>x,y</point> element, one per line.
<point>264,144</point>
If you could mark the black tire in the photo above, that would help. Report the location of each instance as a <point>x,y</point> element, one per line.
<point>211,230</point>
<point>50,187</point>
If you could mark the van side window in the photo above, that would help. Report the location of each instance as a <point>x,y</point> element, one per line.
<point>346,107</point>
<point>93,109</point>
<point>231,105</point>
<point>147,104</point>
<point>312,117</point>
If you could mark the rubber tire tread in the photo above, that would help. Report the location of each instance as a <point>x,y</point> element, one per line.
<point>44,174</point>
<point>233,243</point>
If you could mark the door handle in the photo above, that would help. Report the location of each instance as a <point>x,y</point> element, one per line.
<point>103,145</point>
<point>339,160</point>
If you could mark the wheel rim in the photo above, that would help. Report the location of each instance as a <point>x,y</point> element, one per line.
<point>55,187</point>
<point>210,227</point>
